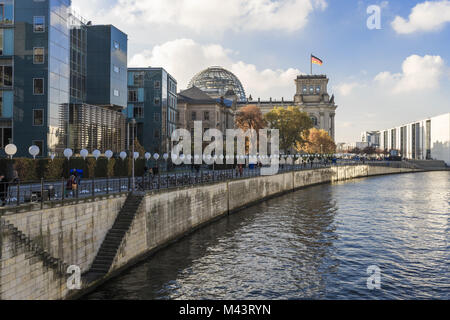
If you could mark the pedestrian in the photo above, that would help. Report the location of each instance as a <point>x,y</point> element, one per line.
<point>3,189</point>
<point>241,169</point>
<point>71,185</point>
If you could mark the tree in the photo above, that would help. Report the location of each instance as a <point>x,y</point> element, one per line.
<point>318,141</point>
<point>250,117</point>
<point>292,124</point>
<point>369,150</point>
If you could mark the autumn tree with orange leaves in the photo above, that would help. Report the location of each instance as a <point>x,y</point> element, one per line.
<point>250,117</point>
<point>317,141</point>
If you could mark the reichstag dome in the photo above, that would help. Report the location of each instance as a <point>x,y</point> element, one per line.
<point>216,82</point>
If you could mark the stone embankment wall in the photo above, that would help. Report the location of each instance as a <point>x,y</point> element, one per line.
<point>50,239</point>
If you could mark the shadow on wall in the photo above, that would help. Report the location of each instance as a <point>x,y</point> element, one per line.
<point>441,151</point>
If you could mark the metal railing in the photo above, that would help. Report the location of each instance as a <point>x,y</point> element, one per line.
<point>35,192</point>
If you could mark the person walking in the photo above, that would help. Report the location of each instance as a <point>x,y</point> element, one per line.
<point>3,189</point>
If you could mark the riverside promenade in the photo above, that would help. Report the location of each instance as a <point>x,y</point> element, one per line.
<point>41,245</point>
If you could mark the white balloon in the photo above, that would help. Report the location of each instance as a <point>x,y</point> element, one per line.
<point>147,156</point>
<point>109,154</point>
<point>123,155</point>
<point>156,156</point>
<point>96,154</point>
<point>136,155</point>
<point>34,151</point>
<point>52,156</point>
<point>68,153</point>
<point>11,149</point>
<point>84,153</point>
<point>196,157</point>
<point>166,156</point>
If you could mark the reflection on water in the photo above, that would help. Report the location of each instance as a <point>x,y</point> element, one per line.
<point>316,243</point>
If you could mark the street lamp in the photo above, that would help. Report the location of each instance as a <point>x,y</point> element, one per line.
<point>133,123</point>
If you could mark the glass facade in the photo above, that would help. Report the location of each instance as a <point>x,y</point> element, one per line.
<point>43,76</point>
<point>152,101</point>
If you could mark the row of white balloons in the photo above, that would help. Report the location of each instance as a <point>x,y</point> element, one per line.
<point>11,150</point>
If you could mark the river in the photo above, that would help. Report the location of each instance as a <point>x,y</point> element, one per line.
<point>317,243</point>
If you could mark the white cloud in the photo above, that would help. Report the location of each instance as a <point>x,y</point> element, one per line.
<point>418,74</point>
<point>183,58</point>
<point>346,88</point>
<point>205,16</point>
<point>426,16</point>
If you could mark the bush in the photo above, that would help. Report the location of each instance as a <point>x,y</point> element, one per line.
<point>32,170</point>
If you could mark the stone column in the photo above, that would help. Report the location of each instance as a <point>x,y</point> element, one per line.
<point>322,121</point>
<point>332,116</point>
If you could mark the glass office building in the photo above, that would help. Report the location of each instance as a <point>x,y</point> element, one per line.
<point>152,101</point>
<point>43,69</point>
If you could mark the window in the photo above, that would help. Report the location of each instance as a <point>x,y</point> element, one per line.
<point>138,112</point>
<point>318,89</point>
<point>193,115</point>
<point>156,133</point>
<point>38,55</point>
<point>1,40</point>
<point>39,144</point>
<point>157,84</point>
<point>116,93</point>
<point>6,13</point>
<point>206,115</point>
<point>138,79</point>
<point>6,73</point>
<point>38,117</point>
<point>314,121</point>
<point>39,24</point>
<point>311,90</point>
<point>132,96</point>
<point>156,117</point>
<point>156,101</point>
<point>305,89</point>
<point>116,69</point>
<point>116,45</point>
<point>5,137</point>
<point>38,86</point>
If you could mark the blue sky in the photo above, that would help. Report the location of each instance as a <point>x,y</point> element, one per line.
<point>381,78</point>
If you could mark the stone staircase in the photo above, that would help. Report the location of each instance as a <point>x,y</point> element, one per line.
<point>113,239</point>
<point>48,260</point>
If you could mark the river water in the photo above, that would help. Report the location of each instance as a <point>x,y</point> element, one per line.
<point>316,243</point>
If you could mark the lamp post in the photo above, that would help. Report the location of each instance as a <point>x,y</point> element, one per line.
<point>133,187</point>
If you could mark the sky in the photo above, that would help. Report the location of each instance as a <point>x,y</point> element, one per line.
<point>381,77</point>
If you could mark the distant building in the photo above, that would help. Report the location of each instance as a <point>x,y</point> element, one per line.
<point>215,113</point>
<point>311,97</point>
<point>372,138</point>
<point>152,101</point>
<point>420,140</point>
<point>43,98</point>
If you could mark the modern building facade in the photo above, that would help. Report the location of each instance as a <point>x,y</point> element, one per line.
<point>372,138</point>
<point>152,102</point>
<point>311,97</point>
<point>44,57</point>
<point>427,139</point>
<point>196,105</point>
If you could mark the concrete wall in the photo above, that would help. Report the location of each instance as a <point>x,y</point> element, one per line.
<point>24,275</point>
<point>74,233</point>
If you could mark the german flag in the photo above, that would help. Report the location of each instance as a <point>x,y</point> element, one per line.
<point>316,60</point>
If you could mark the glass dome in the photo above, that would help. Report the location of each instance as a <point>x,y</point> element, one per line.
<point>216,81</point>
